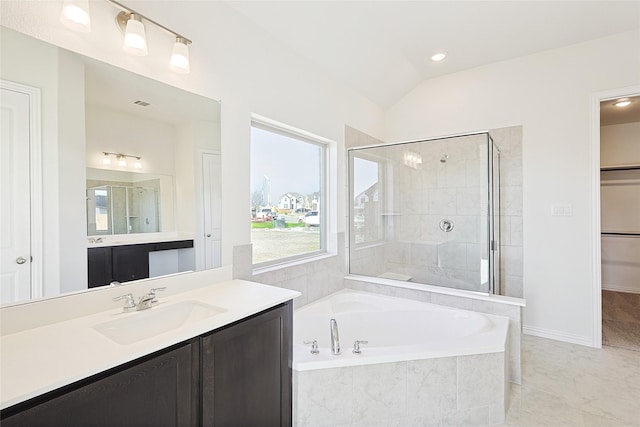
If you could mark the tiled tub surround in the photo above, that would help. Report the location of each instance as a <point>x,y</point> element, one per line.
<point>315,277</point>
<point>490,304</point>
<point>399,379</point>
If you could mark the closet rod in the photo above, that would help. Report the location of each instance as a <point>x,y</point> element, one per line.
<point>621,234</point>
<point>620,168</point>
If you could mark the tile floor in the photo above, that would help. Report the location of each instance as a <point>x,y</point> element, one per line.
<point>621,320</point>
<point>571,385</point>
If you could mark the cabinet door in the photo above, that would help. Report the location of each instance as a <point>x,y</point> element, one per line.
<point>159,391</point>
<point>130,262</point>
<point>246,372</point>
<point>99,266</point>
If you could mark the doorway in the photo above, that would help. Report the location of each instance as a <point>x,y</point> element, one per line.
<point>20,193</point>
<point>620,221</point>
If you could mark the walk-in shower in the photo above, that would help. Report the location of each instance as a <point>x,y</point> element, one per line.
<point>427,212</point>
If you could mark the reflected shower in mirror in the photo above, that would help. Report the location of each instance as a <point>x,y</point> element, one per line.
<point>419,212</point>
<point>128,202</point>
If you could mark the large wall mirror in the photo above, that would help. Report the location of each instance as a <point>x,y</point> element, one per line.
<point>115,160</point>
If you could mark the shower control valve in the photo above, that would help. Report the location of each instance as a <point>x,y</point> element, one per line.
<point>314,346</point>
<point>356,346</point>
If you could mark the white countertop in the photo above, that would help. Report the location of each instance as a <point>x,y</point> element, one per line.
<point>39,360</point>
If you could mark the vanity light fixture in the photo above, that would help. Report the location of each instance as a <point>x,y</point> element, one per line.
<point>75,15</point>
<point>180,56</point>
<point>621,103</point>
<point>131,24</point>
<point>135,38</point>
<point>121,159</point>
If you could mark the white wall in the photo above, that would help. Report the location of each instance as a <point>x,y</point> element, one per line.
<point>620,144</point>
<point>549,95</point>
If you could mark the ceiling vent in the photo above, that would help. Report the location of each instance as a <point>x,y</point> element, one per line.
<point>142,103</point>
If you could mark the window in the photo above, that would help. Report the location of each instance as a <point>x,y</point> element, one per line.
<point>288,197</point>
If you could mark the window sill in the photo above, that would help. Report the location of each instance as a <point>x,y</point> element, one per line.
<point>292,263</point>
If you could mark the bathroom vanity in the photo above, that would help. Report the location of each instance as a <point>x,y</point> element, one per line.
<point>227,363</point>
<point>125,262</point>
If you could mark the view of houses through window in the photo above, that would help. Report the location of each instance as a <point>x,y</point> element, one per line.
<point>287,200</point>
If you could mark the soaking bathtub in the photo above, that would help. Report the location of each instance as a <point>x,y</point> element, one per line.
<point>423,363</point>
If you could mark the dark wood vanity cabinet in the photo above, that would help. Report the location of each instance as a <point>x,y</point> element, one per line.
<point>157,391</point>
<point>238,375</point>
<point>246,372</point>
<point>126,262</point>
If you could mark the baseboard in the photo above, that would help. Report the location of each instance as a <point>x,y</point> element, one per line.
<point>557,335</point>
<point>618,288</point>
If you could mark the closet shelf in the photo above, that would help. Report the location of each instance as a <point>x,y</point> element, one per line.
<point>619,167</point>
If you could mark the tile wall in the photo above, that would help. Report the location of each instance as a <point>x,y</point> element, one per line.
<point>464,390</point>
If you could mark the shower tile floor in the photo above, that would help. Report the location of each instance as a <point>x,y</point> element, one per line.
<point>572,385</point>
<point>621,320</point>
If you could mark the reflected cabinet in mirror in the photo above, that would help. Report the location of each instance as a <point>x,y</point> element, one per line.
<point>107,176</point>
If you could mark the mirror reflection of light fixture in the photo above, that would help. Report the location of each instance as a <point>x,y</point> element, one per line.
<point>75,15</point>
<point>412,159</point>
<point>121,159</point>
<point>180,56</point>
<point>106,160</point>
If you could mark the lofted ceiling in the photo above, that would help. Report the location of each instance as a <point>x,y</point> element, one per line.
<point>382,48</point>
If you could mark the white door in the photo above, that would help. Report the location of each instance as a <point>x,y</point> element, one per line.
<point>212,208</point>
<point>15,210</point>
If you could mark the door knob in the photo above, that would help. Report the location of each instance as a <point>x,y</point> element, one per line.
<point>21,260</point>
<point>208,235</point>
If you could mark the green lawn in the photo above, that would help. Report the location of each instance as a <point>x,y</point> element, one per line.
<point>269,224</point>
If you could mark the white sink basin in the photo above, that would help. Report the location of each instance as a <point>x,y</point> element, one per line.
<point>140,325</point>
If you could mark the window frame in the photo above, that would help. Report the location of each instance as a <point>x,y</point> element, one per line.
<point>324,144</point>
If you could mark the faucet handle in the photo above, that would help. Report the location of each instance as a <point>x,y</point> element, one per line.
<point>356,346</point>
<point>153,291</point>
<point>314,346</point>
<point>129,302</point>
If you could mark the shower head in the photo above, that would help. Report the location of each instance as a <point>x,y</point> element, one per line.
<point>444,158</point>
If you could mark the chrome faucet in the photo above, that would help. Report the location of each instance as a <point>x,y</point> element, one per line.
<point>146,301</point>
<point>335,338</point>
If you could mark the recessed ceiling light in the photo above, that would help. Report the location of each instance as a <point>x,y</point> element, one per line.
<point>438,57</point>
<point>622,103</point>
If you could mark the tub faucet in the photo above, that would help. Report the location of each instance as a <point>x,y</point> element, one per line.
<point>335,339</point>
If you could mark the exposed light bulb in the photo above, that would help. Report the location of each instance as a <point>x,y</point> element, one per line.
<point>135,39</point>
<point>106,160</point>
<point>180,56</point>
<point>75,15</point>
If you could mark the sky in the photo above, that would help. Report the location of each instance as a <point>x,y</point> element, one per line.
<point>294,167</point>
<point>291,166</point>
